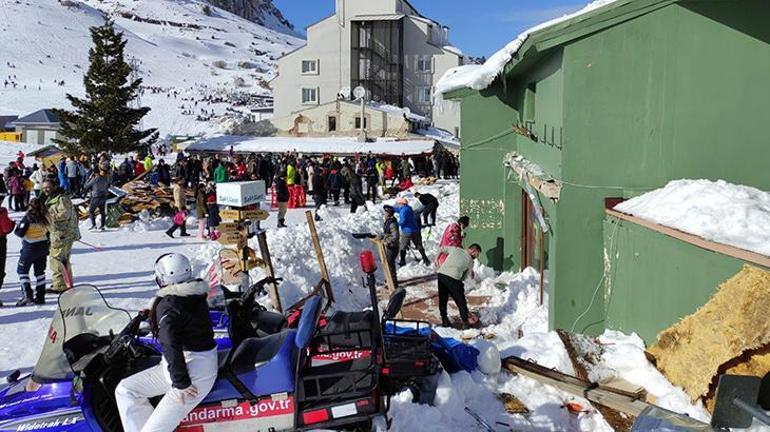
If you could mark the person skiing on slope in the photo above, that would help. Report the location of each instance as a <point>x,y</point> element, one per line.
<point>179,319</point>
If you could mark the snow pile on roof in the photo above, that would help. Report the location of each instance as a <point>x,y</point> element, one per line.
<point>719,211</point>
<point>479,77</point>
<point>454,50</point>
<point>406,112</point>
<point>440,135</point>
<point>311,145</point>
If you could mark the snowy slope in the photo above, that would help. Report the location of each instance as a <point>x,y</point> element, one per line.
<point>183,55</point>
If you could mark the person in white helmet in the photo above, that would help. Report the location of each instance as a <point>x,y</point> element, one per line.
<point>179,319</point>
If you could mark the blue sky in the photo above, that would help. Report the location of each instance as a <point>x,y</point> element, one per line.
<point>478,27</point>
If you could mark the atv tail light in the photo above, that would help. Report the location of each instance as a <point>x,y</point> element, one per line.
<point>386,371</point>
<point>367,261</point>
<point>419,363</point>
<point>317,416</point>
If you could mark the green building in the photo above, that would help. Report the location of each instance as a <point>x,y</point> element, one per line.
<point>605,106</point>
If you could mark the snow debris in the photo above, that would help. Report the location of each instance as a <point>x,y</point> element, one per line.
<point>479,77</point>
<point>719,211</point>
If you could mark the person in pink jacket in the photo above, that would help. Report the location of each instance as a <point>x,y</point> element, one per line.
<point>453,236</point>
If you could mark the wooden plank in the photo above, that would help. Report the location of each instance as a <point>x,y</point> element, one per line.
<point>741,254</point>
<point>275,298</point>
<point>570,384</point>
<point>320,255</point>
<point>389,282</point>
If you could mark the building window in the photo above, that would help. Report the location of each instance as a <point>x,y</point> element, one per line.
<point>310,67</point>
<point>358,122</point>
<point>424,95</point>
<point>309,96</point>
<point>424,64</point>
<point>332,124</point>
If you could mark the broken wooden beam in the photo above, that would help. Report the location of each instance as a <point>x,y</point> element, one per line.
<point>320,255</point>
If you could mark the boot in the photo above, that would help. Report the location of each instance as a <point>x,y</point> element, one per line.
<point>318,218</point>
<point>40,294</point>
<point>445,322</point>
<point>402,261</point>
<point>281,223</point>
<point>27,300</point>
<point>425,259</point>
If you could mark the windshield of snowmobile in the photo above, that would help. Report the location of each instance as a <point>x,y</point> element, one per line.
<point>82,309</point>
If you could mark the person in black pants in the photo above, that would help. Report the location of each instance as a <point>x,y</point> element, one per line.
<point>390,239</point>
<point>429,207</point>
<point>451,273</point>
<point>33,229</point>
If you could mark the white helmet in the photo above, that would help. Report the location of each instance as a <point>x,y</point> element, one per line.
<point>172,268</point>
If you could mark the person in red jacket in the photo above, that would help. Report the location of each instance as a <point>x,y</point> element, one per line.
<point>453,236</point>
<point>138,169</point>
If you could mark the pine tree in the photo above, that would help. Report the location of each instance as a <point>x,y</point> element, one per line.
<point>104,120</point>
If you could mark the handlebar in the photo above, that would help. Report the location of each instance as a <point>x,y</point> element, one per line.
<point>125,337</point>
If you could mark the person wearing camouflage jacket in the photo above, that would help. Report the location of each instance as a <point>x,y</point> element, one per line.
<point>64,232</point>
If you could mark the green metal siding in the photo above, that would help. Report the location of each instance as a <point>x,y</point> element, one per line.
<point>486,115</point>
<point>653,280</point>
<point>674,91</point>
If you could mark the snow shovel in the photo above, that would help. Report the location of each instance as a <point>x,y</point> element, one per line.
<point>737,401</point>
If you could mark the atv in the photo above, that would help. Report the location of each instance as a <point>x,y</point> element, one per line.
<point>264,383</point>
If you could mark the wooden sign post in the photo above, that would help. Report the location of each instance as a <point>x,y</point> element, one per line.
<point>320,255</point>
<point>275,298</point>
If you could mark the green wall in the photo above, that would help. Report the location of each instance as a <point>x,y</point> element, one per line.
<point>653,280</point>
<point>677,93</point>
<point>487,115</point>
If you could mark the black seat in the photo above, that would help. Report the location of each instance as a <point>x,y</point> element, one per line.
<point>349,329</point>
<point>222,357</point>
<point>253,351</point>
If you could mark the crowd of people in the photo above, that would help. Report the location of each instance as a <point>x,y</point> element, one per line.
<point>50,226</point>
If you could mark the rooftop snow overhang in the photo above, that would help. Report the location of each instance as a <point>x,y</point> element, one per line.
<point>534,175</point>
<point>559,34</point>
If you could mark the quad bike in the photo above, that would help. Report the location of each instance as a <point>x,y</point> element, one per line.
<point>264,383</point>
<point>292,377</point>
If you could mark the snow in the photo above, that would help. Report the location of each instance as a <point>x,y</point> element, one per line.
<point>479,77</point>
<point>513,316</point>
<point>718,211</point>
<point>440,135</point>
<point>393,109</point>
<point>8,151</point>
<point>180,51</point>
<point>310,145</point>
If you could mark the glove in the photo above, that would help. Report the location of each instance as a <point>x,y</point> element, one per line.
<point>183,396</point>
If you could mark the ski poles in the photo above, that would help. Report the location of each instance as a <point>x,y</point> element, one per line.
<point>95,247</point>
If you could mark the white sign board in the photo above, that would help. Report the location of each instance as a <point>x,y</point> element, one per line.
<point>240,194</point>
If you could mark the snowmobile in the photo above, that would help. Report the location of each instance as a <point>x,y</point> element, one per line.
<point>265,383</point>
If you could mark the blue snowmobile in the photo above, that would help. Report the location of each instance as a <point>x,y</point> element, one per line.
<point>265,383</point>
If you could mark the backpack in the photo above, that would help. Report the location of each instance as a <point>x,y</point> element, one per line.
<point>6,224</point>
<point>180,217</point>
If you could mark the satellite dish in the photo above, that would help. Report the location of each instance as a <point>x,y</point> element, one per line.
<point>344,93</point>
<point>359,92</point>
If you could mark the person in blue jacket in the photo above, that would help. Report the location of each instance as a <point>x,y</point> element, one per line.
<point>410,231</point>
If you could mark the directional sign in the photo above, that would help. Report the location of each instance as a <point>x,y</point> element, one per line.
<point>255,214</point>
<point>228,227</point>
<point>230,238</point>
<point>232,215</point>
